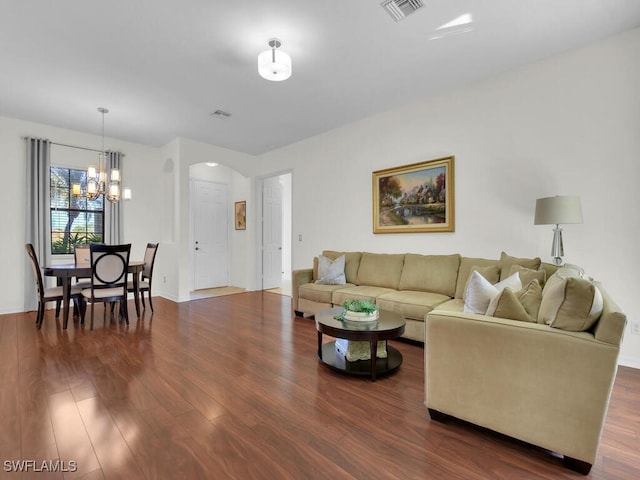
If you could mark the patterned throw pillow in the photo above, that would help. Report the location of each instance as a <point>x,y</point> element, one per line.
<point>331,272</point>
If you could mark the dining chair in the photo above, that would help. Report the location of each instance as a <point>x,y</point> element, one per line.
<point>144,285</point>
<point>81,254</point>
<point>51,294</point>
<point>109,265</point>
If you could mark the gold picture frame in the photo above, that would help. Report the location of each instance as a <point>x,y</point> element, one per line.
<point>240,215</point>
<point>414,198</point>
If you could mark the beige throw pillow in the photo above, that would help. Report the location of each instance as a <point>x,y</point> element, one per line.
<point>522,305</point>
<point>573,304</point>
<point>506,262</point>
<point>529,274</point>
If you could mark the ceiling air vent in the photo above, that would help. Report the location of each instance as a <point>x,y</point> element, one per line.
<point>399,9</point>
<point>220,114</point>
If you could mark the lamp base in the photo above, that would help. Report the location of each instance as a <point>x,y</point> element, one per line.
<point>557,248</point>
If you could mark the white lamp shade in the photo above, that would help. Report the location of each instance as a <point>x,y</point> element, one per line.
<point>558,210</point>
<point>115,175</point>
<point>274,65</point>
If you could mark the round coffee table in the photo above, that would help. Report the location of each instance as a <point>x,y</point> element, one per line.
<point>389,326</point>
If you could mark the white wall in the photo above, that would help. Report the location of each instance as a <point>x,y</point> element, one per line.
<point>566,125</point>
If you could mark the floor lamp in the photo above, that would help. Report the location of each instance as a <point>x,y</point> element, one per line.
<point>556,211</point>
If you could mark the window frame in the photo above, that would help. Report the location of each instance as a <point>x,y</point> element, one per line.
<point>89,210</point>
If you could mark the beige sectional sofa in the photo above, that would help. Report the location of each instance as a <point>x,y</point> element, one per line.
<point>545,385</point>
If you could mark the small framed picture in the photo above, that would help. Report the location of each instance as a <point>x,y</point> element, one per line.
<point>414,198</point>
<point>241,215</point>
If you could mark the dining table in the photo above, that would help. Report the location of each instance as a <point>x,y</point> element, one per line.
<point>65,272</point>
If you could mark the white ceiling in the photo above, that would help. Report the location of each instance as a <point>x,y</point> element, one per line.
<point>162,66</point>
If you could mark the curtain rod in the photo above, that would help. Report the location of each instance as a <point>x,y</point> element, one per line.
<point>74,146</point>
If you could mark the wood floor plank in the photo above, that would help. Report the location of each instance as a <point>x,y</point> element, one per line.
<point>231,388</point>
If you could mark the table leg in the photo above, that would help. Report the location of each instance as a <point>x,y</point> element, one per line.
<point>66,293</point>
<point>320,345</point>
<point>373,345</point>
<point>136,292</point>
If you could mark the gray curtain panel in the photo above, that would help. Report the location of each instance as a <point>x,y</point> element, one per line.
<point>38,221</point>
<point>113,211</point>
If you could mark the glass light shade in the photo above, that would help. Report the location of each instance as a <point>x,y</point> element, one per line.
<point>91,172</point>
<point>115,175</point>
<point>274,65</point>
<point>126,193</point>
<point>92,187</point>
<point>75,189</point>
<point>114,192</point>
<point>102,176</point>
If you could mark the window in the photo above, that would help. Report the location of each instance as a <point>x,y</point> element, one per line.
<point>74,218</point>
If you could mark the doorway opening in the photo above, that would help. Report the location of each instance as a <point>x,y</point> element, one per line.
<point>276,233</point>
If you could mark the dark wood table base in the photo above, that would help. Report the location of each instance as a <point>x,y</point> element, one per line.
<point>338,362</point>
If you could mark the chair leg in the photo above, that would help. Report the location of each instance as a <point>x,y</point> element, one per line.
<point>144,307</point>
<point>58,304</point>
<point>150,301</point>
<point>82,307</point>
<point>40,315</point>
<point>92,305</point>
<point>125,310</point>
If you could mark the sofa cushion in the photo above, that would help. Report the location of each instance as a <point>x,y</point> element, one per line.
<point>380,269</point>
<point>571,303</point>
<point>361,292</point>
<point>453,305</point>
<point>318,292</point>
<point>480,291</point>
<point>466,263</point>
<point>506,262</point>
<point>430,273</point>
<point>410,304</point>
<point>331,272</point>
<point>351,263</point>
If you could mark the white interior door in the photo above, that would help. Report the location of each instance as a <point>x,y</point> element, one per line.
<point>271,233</point>
<point>210,241</point>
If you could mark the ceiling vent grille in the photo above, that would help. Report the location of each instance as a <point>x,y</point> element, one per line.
<point>220,114</point>
<point>399,9</point>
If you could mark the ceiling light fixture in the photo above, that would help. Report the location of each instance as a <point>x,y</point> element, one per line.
<point>97,183</point>
<point>274,64</point>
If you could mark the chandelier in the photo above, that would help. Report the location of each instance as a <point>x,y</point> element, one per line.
<point>97,182</point>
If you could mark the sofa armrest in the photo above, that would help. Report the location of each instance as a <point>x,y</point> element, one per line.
<point>529,381</point>
<point>299,277</point>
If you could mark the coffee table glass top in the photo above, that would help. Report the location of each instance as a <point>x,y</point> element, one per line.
<point>386,321</point>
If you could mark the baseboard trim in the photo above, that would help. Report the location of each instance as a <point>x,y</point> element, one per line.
<point>629,362</point>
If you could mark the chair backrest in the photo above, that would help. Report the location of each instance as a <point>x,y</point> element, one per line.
<point>36,269</point>
<point>149,260</point>
<point>82,255</point>
<point>109,265</point>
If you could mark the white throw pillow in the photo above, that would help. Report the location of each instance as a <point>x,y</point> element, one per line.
<point>480,291</point>
<point>331,272</point>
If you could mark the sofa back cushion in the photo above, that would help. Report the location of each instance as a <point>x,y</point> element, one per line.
<point>466,263</point>
<point>380,269</point>
<point>351,264</point>
<point>430,273</point>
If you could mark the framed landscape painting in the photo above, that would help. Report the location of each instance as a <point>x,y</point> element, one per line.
<point>240,214</point>
<point>414,198</point>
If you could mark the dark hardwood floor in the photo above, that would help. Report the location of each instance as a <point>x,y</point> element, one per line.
<point>230,388</point>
